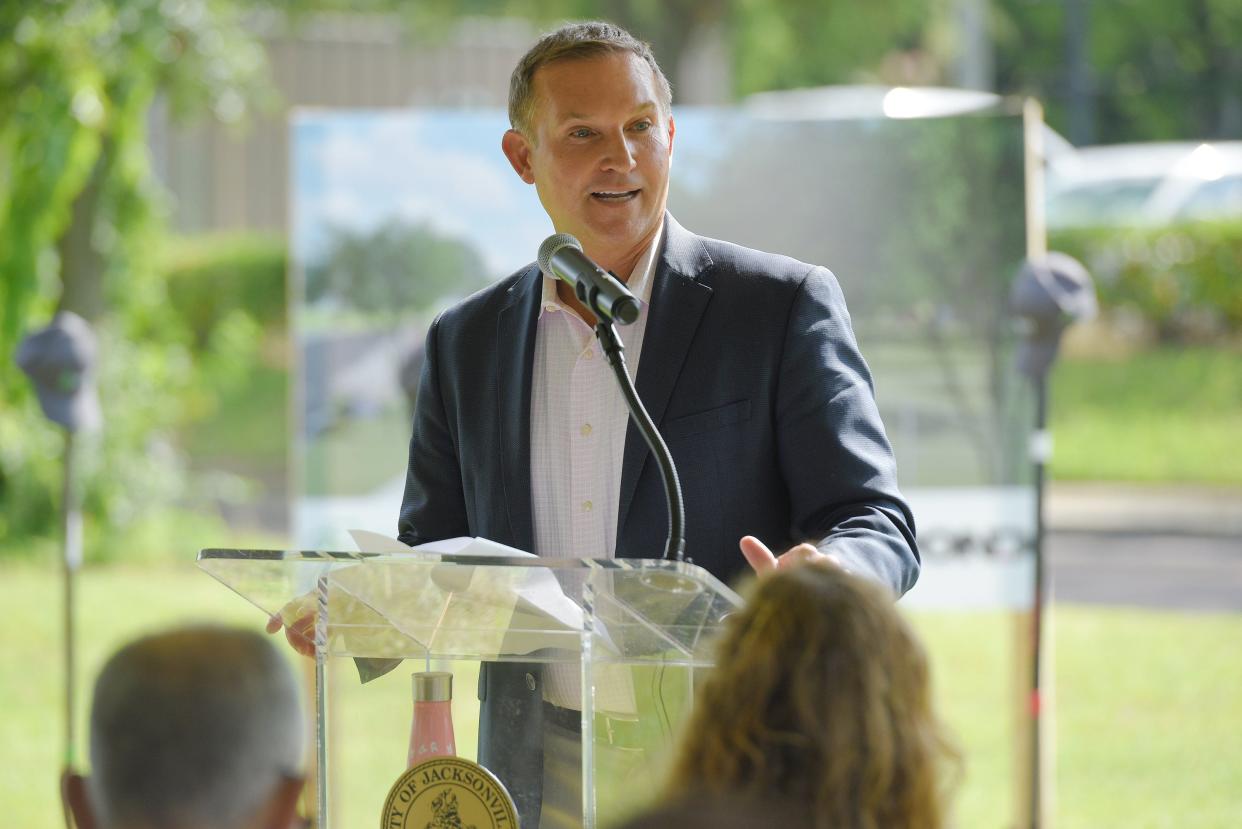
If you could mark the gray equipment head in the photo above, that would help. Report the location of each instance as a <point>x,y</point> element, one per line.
<point>60,361</point>
<point>550,246</point>
<point>1049,293</point>
<point>561,257</point>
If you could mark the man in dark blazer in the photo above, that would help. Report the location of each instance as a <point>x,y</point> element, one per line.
<point>748,366</point>
<point>752,373</point>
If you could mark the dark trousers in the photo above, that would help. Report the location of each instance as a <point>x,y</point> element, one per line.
<point>534,748</point>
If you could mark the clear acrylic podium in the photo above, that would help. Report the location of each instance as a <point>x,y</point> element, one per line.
<point>621,640</point>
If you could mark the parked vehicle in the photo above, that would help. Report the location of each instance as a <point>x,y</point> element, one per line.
<point>1145,184</point>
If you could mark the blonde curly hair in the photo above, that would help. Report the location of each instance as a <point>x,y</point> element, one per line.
<point>821,701</point>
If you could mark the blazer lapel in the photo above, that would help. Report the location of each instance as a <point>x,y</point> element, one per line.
<point>678,301</point>
<point>515,355</point>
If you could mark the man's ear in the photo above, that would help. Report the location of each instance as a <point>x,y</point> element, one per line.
<point>518,150</point>
<point>672,130</point>
<point>75,800</point>
<point>282,806</point>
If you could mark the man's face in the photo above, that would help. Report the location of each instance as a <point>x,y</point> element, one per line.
<point>598,153</point>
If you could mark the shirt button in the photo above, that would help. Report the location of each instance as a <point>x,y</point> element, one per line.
<point>589,354</point>
<point>587,506</point>
<point>585,430</point>
<point>550,307</point>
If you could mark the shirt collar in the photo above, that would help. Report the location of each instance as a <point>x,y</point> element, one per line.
<point>641,280</point>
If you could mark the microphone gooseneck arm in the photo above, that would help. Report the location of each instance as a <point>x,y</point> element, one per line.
<point>675,545</point>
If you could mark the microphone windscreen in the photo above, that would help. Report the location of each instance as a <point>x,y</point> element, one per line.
<point>549,248</point>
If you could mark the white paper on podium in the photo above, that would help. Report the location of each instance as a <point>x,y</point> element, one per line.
<point>540,599</point>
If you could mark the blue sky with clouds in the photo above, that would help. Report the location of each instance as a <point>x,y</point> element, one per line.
<point>358,169</point>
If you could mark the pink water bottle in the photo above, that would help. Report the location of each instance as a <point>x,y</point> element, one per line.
<point>431,733</point>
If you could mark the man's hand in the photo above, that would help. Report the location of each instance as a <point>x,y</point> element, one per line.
<point>300,633</point>
<point>762,560</point>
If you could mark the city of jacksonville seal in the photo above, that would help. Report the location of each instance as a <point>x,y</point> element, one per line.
<point>448,793</point>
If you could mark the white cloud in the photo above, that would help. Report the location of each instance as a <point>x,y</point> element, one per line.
<point>371,168</point>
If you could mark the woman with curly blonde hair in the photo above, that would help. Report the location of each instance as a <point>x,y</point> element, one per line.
<point>820,703</point>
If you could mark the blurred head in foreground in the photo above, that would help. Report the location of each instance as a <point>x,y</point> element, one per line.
<point>195,728</point>
<point>820,701</point>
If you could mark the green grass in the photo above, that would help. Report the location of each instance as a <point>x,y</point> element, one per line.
<point>1147,710</point>
<point>974,694</point>
<point>116,604</point>
<point>1149,719</point>
<point>1147,715</point>
<point>1161,416</point>
<point>1171,416</point>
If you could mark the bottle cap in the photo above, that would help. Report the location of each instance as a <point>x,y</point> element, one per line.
<point>433,686</point>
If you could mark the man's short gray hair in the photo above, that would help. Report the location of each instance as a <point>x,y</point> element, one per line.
<point>193,727</point>
<point>575,41</point>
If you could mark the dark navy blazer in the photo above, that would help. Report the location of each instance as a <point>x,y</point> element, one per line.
<point>750,369</point>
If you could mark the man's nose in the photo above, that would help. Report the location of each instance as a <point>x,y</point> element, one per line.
<point>618,154</point>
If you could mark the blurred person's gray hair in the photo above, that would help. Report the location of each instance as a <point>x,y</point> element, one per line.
<point>576,41</point>
<point>193,727</point>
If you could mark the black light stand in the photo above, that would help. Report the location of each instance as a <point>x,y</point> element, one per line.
<point>1048,294</point>
<point>60,361</point>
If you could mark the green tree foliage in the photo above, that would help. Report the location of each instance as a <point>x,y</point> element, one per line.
<point>1182,280</point>
<point>211,276</point>
<point>775,44</point>
<point>394,270</point>
<point>77,78</point>
<point>79,222</point>
<point>1152,69</point>
<point>1157,70</point>
<point>799,43</point>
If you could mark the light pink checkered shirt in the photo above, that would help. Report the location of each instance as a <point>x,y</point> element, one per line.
<point>578,420</point>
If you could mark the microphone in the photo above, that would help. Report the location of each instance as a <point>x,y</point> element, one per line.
<point>561,256</point>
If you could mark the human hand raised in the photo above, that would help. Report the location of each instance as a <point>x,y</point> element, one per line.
<point>300,632</point>
<point>762,560</point>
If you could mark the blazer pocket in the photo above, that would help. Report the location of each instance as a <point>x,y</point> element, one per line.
<point>693,424</point>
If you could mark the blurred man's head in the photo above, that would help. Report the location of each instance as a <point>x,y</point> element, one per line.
<point>593,131</point>
<point>196,728</point>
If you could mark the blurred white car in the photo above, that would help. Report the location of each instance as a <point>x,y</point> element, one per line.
<point>1144,184</point>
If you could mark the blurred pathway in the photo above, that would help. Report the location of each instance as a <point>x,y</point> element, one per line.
<point>1171,548</point>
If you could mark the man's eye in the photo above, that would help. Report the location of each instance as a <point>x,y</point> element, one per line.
<point>643,126</point>
<point>581,132</point>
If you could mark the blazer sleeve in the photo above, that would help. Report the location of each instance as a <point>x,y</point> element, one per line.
<point>433,506</point>
<point>834,453</point>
